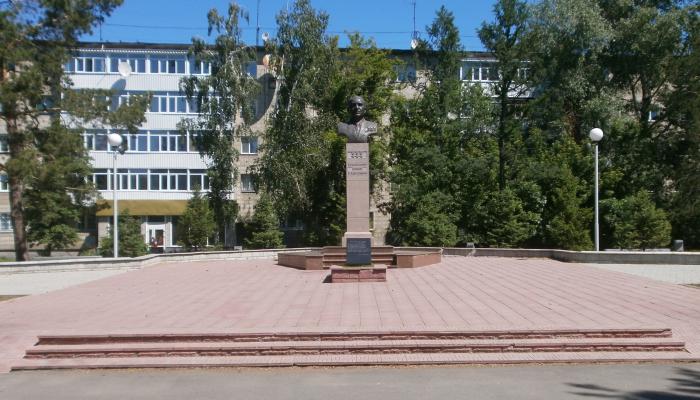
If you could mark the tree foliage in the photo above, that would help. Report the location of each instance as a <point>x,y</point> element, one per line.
<point>302,166</point>
<point>58,188</point>
<point>225,103</point>
<point>264,230</point>
<point>635,222</point>
<point>38,38</point>
<point>131,243</point>
<point>196,225</point>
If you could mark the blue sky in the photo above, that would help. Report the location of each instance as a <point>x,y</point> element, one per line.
<point>389,22</point>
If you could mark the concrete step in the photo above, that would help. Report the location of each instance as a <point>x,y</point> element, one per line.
<point>354,336</point>
<point>338,360</point>
<point>209,349</point>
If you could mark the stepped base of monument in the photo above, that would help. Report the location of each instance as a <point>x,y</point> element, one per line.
<point>389,256</point>
<point>390,347</point>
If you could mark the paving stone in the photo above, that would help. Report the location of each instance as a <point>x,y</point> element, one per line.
<point>461,293</point>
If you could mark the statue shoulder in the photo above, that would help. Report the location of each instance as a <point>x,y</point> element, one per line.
<point>371,126</point>
<point>343,128</point>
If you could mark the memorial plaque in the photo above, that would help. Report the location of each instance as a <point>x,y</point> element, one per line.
<point>359,251</point>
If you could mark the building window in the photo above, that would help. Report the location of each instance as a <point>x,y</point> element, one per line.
<point>95,141</point>
<point>4,145</point>
<point>86,64</point>
<point>167,65</point>
<point>200,67</point>
<point>523,74</point>
<point>101,143</point>
<point>136,62</point>
<point>170,103</point>
<point>4,184</point>
<point>162,141</point>
<point>247,183</point>
<point>249,145</point>
<point>159,179</point>
<point>178,179</point>
<point>138,142</point>
<point>200,179</point>
<point>251,69</point>
<point>5,222</point>
<point>406,73</point>
<point>479,72</point>
<point>100,177</point>
<point>653,115</point>
<point>154,179</point>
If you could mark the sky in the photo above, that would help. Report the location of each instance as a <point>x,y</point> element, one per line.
<point>389,22</point>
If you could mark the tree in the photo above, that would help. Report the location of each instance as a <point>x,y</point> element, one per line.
<point>264,229</point>
<point>570,38</point>
<point>196,224</point>
<point>649,39</point>
<point>431,224</point>
<point>58,189</point>
<point>37,39</point>
<point>683,110</point>
<point>508,40</point>
<point>428,151</point>
<point>301,164</point>
<point>225,103</point>
<point>502,221</point>
<point>635,222</point>
<point>366,71</point>
<point>131,243</point>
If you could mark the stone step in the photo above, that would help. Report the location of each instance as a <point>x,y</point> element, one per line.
<point>353,336</point>
<point>216,349</point>
<point>338,360</point>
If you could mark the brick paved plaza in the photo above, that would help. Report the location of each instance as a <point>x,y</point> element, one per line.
<point>461,293</point>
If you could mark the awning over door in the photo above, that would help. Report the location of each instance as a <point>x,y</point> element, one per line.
<point>143,207</point>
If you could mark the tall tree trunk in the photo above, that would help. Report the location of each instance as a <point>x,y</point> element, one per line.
<point>501,141</point>
<point>16,183</point>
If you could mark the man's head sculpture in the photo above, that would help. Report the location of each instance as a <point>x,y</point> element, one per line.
<point>356,108</point>
<point>357,130</point>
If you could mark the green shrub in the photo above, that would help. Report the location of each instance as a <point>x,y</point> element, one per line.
<point>131,241</point>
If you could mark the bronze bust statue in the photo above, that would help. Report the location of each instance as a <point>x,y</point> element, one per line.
<point>358,129</point>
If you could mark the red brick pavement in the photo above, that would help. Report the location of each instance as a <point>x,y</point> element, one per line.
<point>473,293</point>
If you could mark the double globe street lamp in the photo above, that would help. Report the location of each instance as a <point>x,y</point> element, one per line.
<point>115,140</point>
<point>596,134</point>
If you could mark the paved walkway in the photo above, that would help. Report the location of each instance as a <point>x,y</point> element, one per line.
<point>681,274</point>
<point>536,382</point>
<point>472,293</point>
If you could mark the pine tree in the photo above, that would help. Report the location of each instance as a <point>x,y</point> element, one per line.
<point>39,37</point>
<point>58,190</point>
<point>635,222</point>
<point>131,241</point>
<point>264,228</point>
<point>196,224</point>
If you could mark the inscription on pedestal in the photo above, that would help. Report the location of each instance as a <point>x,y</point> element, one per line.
<point>357,163</point>
<point>359,251</point>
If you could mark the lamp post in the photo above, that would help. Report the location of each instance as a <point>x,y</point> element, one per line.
<point>115,140</point>
<point>596,134</point>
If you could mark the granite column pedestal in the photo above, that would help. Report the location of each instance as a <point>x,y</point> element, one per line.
<point>357,175</point>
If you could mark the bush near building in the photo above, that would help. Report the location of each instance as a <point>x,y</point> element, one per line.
<point>131,243</point>
<point>264,228</point>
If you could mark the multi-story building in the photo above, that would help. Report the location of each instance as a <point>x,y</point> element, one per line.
<point>161,166</point>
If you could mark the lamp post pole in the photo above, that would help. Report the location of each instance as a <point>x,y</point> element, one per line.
<point>115,140</point>
<point>596,135</point>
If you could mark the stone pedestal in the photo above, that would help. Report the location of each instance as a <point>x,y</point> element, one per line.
<point>364,274</point>
<point>357,175</point>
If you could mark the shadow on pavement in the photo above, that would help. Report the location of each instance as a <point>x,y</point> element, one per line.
<point>686,386</point>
